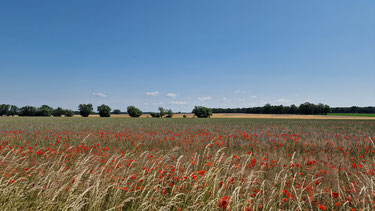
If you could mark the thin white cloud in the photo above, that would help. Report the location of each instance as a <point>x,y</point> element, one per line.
<point>178,102</point>
<point>99,94</point>
<point>172,95</point>
<point>204,98</point>
<point>155,93</point>
<point>283,100</point>
<point>254,97</point>
<point>239,91</point>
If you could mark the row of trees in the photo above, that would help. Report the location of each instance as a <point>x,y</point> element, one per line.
<point>105,111</point>
<point>86,109</point>
<point>305,108</point>
<point>354,109</point>
<point>44,110</point>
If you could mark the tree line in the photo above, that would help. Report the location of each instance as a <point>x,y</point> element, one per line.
<point>304,108</point>
<point>354,109</point>
<point>86,110</point>
<point>199,111</point>
<point>44,110</point>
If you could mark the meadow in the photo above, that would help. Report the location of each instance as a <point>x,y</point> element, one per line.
<point>351,114</point>
<point>186,164</point>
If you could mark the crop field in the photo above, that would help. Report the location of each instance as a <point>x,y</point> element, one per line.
<point>264,116</point>
<point>351,114</point>
<point>186,164</point>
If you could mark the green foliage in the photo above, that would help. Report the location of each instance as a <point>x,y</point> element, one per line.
<point>14,110</point>
<point>155,115</point>
<point>44,110</point>
<point>169,113</point>
<point>327,109</point>
<point>202,112</point>
<point>104,111</point>
<point>4,109</point>
<point>134,111</point>
<point>293,109</point>
<point>28,111</point>
<point>85,109</point>
<point>58,112</point>
<point>184,116</point>
<point>162,111</point>
<point>116,111</point>
<point>305,108</point>
<point>68,113</point>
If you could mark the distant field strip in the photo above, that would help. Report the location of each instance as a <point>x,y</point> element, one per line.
<point>351,114</point>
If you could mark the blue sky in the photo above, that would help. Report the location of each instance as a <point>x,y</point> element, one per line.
<point>178,54</point>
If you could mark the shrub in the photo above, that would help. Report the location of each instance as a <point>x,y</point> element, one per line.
<point>104,111</point>
<point>134,111</point>
<point>202,112</point>
<point>85,109</point>
<point>58,111</point>
<point>116,111</point>
<point>155,115</point>
<point>68,113</point>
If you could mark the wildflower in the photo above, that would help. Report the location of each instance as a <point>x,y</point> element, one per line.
<point>224,202</point>
<point>322,207</point>
<point>335,195</point>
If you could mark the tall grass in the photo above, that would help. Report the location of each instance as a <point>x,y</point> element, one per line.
<point>186,164</point>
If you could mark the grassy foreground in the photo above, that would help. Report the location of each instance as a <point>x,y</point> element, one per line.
<point>186,164</point>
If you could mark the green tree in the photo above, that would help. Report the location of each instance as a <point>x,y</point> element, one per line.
<point>58,111</point>
<point>104,111</point>
<point>116,111</point>
<point>267,108</point>
<point>14,110</point>
<point>162,112</point>
<point>169,113</point>
<point>134,111</point>
<point>326,109</point>
<point>44,110</point>
<point>320,109</point>
<point>28,111</point>
<point>293,109</point>
<point>202,112</point>
<point>85,109</point>
<point>68,113</point>
<point>4,109</point>
<point>306,108</point>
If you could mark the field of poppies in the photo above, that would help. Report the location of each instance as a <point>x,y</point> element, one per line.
<point>186,164</point>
